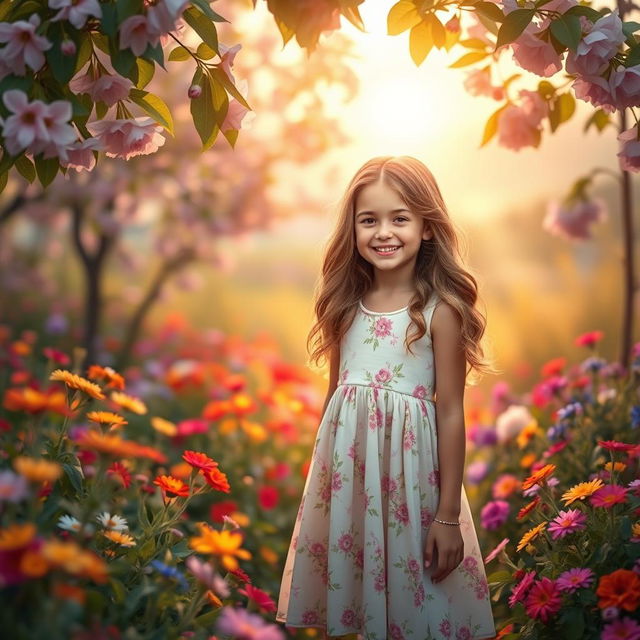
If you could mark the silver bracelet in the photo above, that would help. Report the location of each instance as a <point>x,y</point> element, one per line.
<point>457,524</point>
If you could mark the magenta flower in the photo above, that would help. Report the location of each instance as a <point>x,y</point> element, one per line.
<point>494,514</point>
<point>23,45</point>
<point>126,138</point>
<point>492,554</point>
<point>519,592</point>
<point>567,522</point>
<point>543,600</point>
<point>609,495</point>
<point>622,629</point>
<point>75,11</point>
<point>239,623</point>
<point>575,579</point>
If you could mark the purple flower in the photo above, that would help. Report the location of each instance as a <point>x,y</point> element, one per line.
<point>477,471</point>
<point>575,579</point>
<point>625,628</point>
<point>567,522</point>
<point>494,514</point>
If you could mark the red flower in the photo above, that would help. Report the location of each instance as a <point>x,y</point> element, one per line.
<point>169,484</point>
<point>240,574</point>
<point>613,445</point>
<point>216,479</point>
<point>589,339</point>
<point>543,600</point>
<point>260,597</point>
<point>619,589</point>
<point>199,460</point>
<point>223,508</point>
<point>553,367</point>
<point>117,468</point>
<point>268,497</point>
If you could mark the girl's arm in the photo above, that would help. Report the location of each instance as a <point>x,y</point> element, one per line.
<point>450,374</point>
<point>334,365</point>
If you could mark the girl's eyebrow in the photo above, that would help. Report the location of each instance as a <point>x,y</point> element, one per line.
<point>360,213</point>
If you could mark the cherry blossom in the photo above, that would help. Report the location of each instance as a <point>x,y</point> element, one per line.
<point>23,45</point>
<point>125,138</point>
<point>75,11</point>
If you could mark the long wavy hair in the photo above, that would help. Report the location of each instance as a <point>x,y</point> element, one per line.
<point>346,276</point>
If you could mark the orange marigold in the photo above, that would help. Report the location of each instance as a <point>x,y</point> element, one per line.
<point>114,380</point>
<point>17,536</point>
<point>37,469</point>
<point>74,381</point>
<point>106,417</point>
<point>169,484</point>
<point>216,479</point>
<point>539,476</point>
<point>619,589</point>
<point>131,403</point>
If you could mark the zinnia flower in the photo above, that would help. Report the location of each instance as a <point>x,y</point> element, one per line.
<point>531,535</point>
<point>528,508</point>
<point>216,479</point>
<point>172,485</point>
<point>609,495</point>
<point>544,599</point>
<point>199,460</point>
<point>620,588</point>
<point>582,490</point>
<point>225,544</point>
<point>494,514</point>
<point>574,579</point>
<point>622,629</point>
<point>519,592</point>
<point>260,597</point>
<point>567,522</point>
<point>613,445</point>
<point>539,476</point>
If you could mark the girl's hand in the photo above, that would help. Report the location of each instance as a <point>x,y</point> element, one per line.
<point>446,542</point>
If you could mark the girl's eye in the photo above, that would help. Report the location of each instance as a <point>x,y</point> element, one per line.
<point>366,220</point>
<point>402,218</point>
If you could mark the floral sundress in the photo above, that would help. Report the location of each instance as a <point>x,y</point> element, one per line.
<point>355,563</point>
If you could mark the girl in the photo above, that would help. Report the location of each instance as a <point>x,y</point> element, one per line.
<point>384,544</point>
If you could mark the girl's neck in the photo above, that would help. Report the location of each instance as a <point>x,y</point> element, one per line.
<point>389,284</point>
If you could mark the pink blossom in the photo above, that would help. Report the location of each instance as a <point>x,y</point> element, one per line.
<point>75,11</point>
<point>136,34</point>
<point>106,88</point>
<point>348,617</point>
<point>227,56</point>
<point>515,130</point>
<point>235,114</point>
<point>492,554</point>
<point>80,154</point>
<point>239,623</point>
<point>609,495</point>
<point>561,6</point>
<point>625,86</point>
<point>382,327</point>
<point>478,83</point>
<point>68,47</point>
<point>597,47</point>
<point>543,600</point>
<point>629,154</point>
<point>345,542</point>
<point>163,15</point>
<point>536,55</point>
<point>494,514</point>
<point>384,375</point>
<point>195,91</point>
<point>573,221</point>
<point>125,138</point>
<point>533,106</point>
<point>595,90</point>
<point>23,44</point>
<point>519,592</point>
<point>567,522</point>
<point>575,579</point>
<point>623,629</point>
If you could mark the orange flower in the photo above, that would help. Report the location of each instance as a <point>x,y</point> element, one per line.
<point>33,564</point>
<point>225,544</point>
<point>25,399</point>
<point>68,555</point>
<point>213,599</point>
<point>216,479</point>
<point>114,445</point>
<point>114,380</point>
<point>539,476</point>
<point>531,535</point>
<point>163,426</point>
<point>582,490</point>
<point>199,460</point>
<point>553,367</point>
<point>123,539</point>
<point>37,469</point>
<point>619,589</point>
<point>131,403</point>
<point>528,508</point>
<point>242,403</point>
<point>527,433</point>
<point>527,460</point>
<point>215,409</point>
<point>504,486</point>
<point>106,417</point>
<point>17,536</point>
<point>74,381</point>
<point>169,484</point>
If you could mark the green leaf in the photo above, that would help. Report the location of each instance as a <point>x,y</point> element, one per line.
<point>420,42</point>
<point>633,56</point>
<point>219,75</point>
<point>146,70</point>
<point>75,475</point>
<point>402,16</point>
<point>179,54</point>
<point>561,109</point>
<point>231,135</point>
<point>62,66</point>
<point>203,5</point>
<point>155,54</point>
<point>514,24</point>
<point>154,106</point>
<point>203,115</point>
<point>489,10</point>
<point>567,30</point>
<point>15,82</point>
<point>491,126</point>
<point>46,169</point>
<point>26,168</point>
<point>500,576</point>
<point>128,8</point>
<point>206,619</point>
<point>84,51</point>
<point>109,20</point>
<point>124,62</point>
<point>205,52</point>
<point>469,58</point>
<point>119,591</point>
<point>101,109</point>
<point>203,26</point>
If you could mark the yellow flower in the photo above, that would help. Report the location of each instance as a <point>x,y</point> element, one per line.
<point>106,417</point>
<point>16,536</point>
<point>68,555</point>
<point>617,466</point>
<point>74,381</point>
<point>581,491</point>
<point>131,403</point>
<point>527,434</point>
<point>255,431</point>
<point>531,535</point>
<point>123,539</point>
<point>635,530</point>
<point>37,469</point>
<point>163,426</point>
<point>268,554</point>
<point>224,544</point>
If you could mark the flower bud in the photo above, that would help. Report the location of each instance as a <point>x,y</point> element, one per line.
<point>195,91</point>
<point>68,47</point>
<point>453,24</point>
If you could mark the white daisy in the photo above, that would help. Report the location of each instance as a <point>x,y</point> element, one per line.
<point>69,523</point>
<point>116,523</point>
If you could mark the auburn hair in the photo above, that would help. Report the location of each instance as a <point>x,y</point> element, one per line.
<point>346,276</point>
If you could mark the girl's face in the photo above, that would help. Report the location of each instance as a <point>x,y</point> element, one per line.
<point>388,234</point>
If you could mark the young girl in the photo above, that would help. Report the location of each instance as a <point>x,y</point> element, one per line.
<point>384,544</point>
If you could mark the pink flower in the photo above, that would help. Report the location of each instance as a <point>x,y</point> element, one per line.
<point>492,554</point>
<point>126,138</point>
<point>23,44</point>
<point>106,88</point>
<point>572,221</point>
<point>543,600</point>
<point>162,16</point>
<point>420,391</point>
<point>519,592</point>
<point>75,11</point>
<point>401,513</point>
<point>239,623</point>
<point>515,130</point>
<point>623,629</point>
<point>494,514</point>
<point>136,34</point>
<point>80,154</point>
<point>345,542</point>
<point>309,617</point>
<point>478,83</point>
<point>511,422</point>
<point>567,522</point>
<point>336,481</point>
<point>609,495</point>
<point>596,90</point>
<point>348,617</point>
<point>615,445</point>
<point>625,86</point>
<point>384,375</point>
<point>629,154</point>
<point>536,55</point>
<point>533,106</point>
<point>597,47</point>
<point>382,327</point>
<point>13,487</point>
<point>235,114</point>
<point>227,56</point>
<point>575,579</point>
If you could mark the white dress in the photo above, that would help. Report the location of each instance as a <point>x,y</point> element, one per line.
<point>356,559</point>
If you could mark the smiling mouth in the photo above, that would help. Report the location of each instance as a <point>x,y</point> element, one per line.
<point>385,251</point>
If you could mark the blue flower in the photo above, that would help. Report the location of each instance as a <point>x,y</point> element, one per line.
<point>593,364</point>
<point>170,572</point>
<point>635,416</point>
